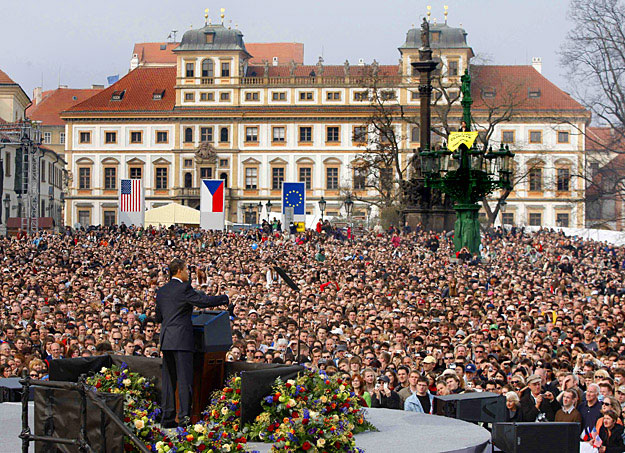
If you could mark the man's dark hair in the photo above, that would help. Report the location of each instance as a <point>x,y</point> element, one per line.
<point>176,266</point>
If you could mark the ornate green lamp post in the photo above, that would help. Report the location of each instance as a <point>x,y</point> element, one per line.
<point>467,176</point>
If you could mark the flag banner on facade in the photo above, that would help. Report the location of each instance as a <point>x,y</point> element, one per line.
<point>112,79</point>
<point>458,138</point>
<point>294,196</point>
<point>131,202</point>
<point>212,204</point>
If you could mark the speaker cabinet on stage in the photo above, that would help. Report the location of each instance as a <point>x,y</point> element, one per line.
<point>548,437</point>
<point>474,407</point>
<point>213,339</point>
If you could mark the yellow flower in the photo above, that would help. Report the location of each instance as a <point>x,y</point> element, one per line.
<point>321,443</point>
<point>292,402</point>
<point>324,399</point>
<point>139,424</point>
<point>127,382</point>
<point>226,447</point>
<point>224,410</point>
<point>199,428</point>
<point>103,370</point>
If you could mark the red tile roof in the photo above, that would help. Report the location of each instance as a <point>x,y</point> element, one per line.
<point>328,71</point>
<point>151,52</point>
<point>138,86</point>
<point>285,51</point>
<point>512,84</point>
<point>53,102</point>
<point>604,139</point>
<point>5,79</point>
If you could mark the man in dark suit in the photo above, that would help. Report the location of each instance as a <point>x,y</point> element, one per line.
<point>537,406</point>
<point>174,306</point>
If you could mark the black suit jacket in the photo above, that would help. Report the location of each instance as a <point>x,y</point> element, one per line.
<point>529,411</point>
<point>174,306</point>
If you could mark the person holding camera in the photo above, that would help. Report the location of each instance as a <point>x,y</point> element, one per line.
<point>383,396</point>
<point>535,405</point>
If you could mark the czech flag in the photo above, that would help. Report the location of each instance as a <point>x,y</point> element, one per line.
<point>212,196</point>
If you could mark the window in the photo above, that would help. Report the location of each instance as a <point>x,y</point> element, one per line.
<point>223,163</point>
<point>224,96</point>
<point>109,218</point>
<point>305,176</point>
<point>206,134</point>
<point>277,177</point>
<point>42,212</point>
<point>535,219</point>
<point>251,178</point>
<point>42,172</point>
<point>224,135</point>
<point>7,164</point>
<point>415,134</point>
<point>332,178</point>
<point>361,96</point>
<point>136,172</point>
<point>207,96</point>
<point>563,137</point>
<point>414,95</point>
<point>489,92</point>
<point>225,69</point>
<point>562,219</point>
<point>84,217</point>
<point>305,134</point>
<point>306,96</point>
<point>208,68</point>
<point>110,137</point>
<point>162,137</point>
<point>536,136</point>
<point>161,178</point>
<point>188,134</point>
<point>359,179</point>
<point>206,173</point>
<point>62,138</point>
<point>507,136</point>
<point>333,95</point>
<point>85,137</point>
<point>190,69</point>
<point>360,134</point>
<point>84,178</point>
<point>158,94</point>
<point>110,178</point>
<point>188,180</point>
<point>387,95</point>
<point>47,137</point>
<point>533,93</point>
<point>507,218</point>
<point>252,96</point>
<point>332,134</point>
<point>189,97</point>
<point>278,96</point>
<point>452,70</point>
<point>563,179</point>
<point>278,134</point>
<point>136,137</point>
<point>188,163</point>
<point>251,134</point>
<point>536,180</point>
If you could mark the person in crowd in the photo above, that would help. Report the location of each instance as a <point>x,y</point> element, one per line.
<point>357,383</point>
<point>611,434</point>
<point>383,396</point>
<point>590,409</point>
<point>535,405</point>
<point>421,401</point>
<point>513,413</point>
<point>568,411</point>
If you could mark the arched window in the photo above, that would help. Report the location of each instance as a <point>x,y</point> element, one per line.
<point>207,68</point>
<point>224,176</point>
<point>188,180</point>
<point>415,134</point>
<point>223,135</point>
<point>188,134</point>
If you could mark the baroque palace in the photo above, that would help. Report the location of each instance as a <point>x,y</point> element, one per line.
<point>209,107</point>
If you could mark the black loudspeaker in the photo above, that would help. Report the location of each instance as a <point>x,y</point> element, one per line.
<point>475,407</point>
<point>11,390</point>
<point>548,437</point>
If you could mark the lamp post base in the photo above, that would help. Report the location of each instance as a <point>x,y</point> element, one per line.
<point>467,227</point>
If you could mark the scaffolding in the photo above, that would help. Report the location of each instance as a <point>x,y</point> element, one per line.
<point>26,137</point>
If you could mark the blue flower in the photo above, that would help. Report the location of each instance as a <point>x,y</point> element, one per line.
<point>269,399</point>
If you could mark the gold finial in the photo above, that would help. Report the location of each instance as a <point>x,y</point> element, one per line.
<point>206,16</point>
<point>230,24</point>
<point>223,10</point>
<point>446,12</point>
<point>435,21</point>
<point>210,21</point>
<point>429,7</point>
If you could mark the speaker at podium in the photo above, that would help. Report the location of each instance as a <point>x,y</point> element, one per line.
<point>212,340</point>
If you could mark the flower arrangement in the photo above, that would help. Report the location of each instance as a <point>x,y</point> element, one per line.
<point>313,413</point>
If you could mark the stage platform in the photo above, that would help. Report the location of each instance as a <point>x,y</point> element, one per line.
<point>11,423</point>
<point>416,433</point>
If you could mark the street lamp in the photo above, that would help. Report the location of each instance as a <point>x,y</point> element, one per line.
<point>322,206</point>
<point>259,208</point>
<point>349,205</point>
<point>467,176</point>
<point>7,204</point>
<point>368,208</point>
<point>268,206</point>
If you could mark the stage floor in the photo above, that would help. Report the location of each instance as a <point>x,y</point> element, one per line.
<point>415,433</point>
<point>11,423</point>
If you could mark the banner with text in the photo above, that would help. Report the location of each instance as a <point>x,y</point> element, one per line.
<point>459,138</point>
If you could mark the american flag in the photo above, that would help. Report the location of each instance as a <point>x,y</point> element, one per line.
<point>130,198</point>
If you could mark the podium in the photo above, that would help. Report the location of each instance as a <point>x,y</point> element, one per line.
<point>212,340</point>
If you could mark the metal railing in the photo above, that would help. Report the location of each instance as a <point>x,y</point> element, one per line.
<point>85,392</point>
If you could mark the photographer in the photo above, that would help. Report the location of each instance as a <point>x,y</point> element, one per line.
<point>383,396</point>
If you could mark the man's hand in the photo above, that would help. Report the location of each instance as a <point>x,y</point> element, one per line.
<point>549,396</point>
<point>539,400</point>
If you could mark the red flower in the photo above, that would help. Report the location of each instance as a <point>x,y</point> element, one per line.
<point>275,398</point>
<point>98,384</point>
<point>288,385</point>
<point>238,391</point>
<point>201,447</point>
<point>306,446</point>
<point>210,435</point>
<point>295,414</point>
<point>305,421</point>
<point>237,413</point>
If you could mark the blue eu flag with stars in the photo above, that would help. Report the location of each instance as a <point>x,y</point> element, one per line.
<point>294,196</point>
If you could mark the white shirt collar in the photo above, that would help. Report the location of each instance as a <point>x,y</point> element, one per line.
<point>176,278</point>
<point>569,410</point>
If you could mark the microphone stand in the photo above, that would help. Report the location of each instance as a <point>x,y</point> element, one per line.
<point>281,272</point>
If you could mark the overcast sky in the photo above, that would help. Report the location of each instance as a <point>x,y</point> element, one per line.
<point>86,40</point>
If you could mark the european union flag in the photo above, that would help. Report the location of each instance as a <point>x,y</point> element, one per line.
<point>112,79</point>
<point>294,196</point>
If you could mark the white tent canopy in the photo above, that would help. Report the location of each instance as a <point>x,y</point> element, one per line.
<point>172,214</point>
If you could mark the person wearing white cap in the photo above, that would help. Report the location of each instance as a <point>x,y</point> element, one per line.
<point>536,406</point>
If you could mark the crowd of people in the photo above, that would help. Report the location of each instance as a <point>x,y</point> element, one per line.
<point>537,317</point>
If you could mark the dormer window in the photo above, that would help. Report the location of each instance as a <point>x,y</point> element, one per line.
<point>158,95</point>
<point>533,93</point>
<point>489,92</point>
<point>163,46</point>
<point>210,37</point>
<point>118,95</point>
